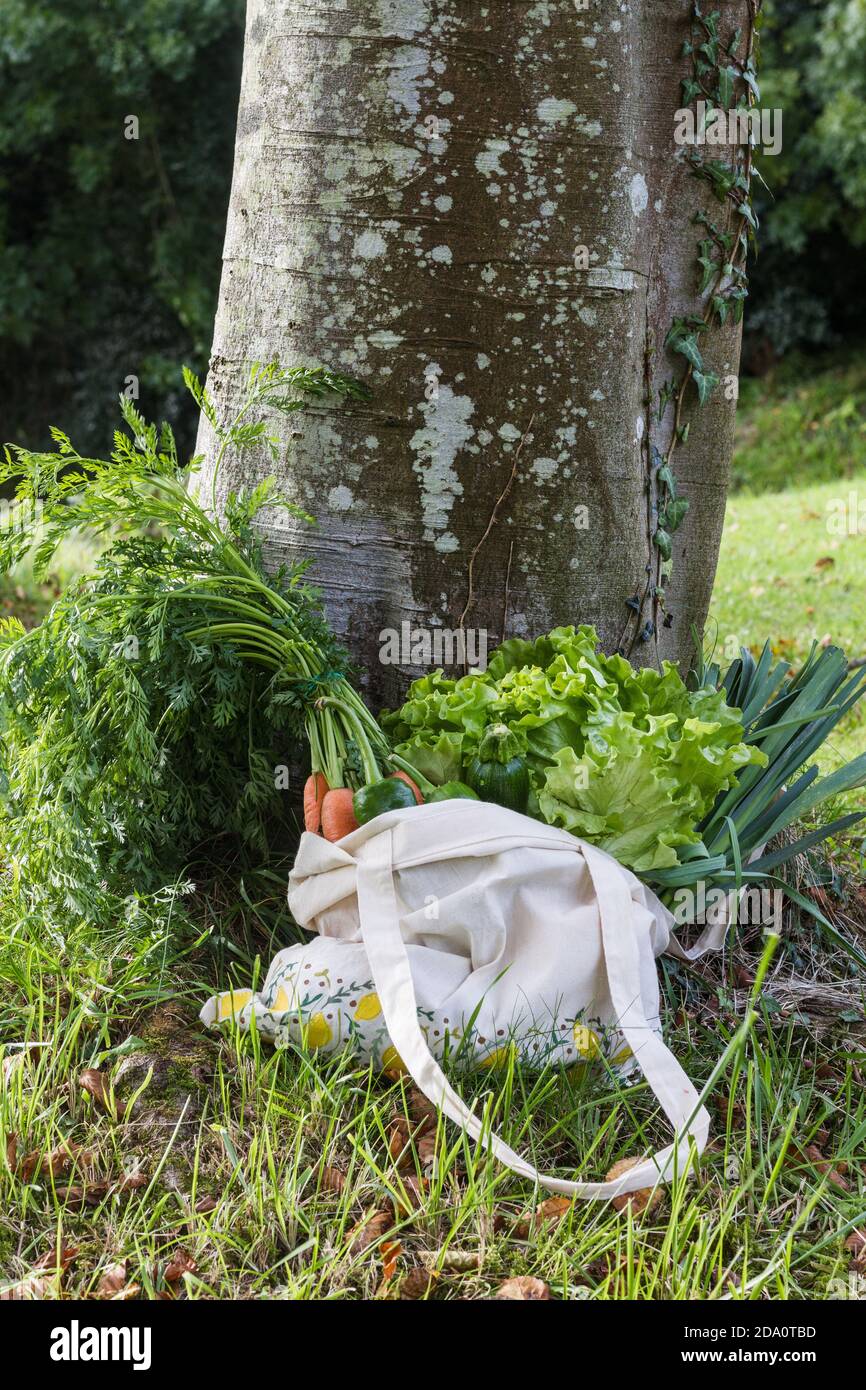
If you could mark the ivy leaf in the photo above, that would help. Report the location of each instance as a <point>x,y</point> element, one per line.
<point>674,514</point>
<point>722,177</point>
<point>711,23</point>
<point>727,78</point>
<point>706,383</point>
<point>667,479</point>
<point>666,395</point>
<point>750,78</point>
<point>682,338</point>
<point>662,543</point>
<point>709,268</point>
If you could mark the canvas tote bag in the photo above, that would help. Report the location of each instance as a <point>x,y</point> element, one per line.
<point>464,929</point>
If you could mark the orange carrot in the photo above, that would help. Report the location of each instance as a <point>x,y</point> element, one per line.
<point>315,788</point>
<point>338,814</point>
<point>404,777</point>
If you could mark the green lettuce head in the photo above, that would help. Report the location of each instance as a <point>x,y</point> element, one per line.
<point>631,760</point>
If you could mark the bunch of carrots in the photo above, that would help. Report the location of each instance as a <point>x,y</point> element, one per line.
<point>342,734</point>
<point>335,725</point>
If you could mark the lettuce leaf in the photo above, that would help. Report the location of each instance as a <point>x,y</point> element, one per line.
<point>620,797</point>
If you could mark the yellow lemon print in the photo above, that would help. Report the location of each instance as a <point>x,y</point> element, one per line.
<point>280,1001</point>
<point>232,1003</point>
<point>622,1056</point>
<point>498,1059</point>
<point>318,1031</point>
<point>368,1007</point>
<point>585,1042</point>
<point>393,1064</point>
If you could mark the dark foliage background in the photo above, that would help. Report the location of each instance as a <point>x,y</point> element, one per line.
<point>110,248</point>
<point>809,280</point>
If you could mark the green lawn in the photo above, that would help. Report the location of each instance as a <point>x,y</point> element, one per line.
<point>783,575</point>
<point>803,423</point>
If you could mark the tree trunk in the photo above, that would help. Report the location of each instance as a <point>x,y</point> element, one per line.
<point>480,210</point>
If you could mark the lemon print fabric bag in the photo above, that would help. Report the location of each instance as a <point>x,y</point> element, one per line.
<point>464,931</point>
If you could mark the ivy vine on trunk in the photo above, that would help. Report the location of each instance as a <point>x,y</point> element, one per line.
<point>723,78</point>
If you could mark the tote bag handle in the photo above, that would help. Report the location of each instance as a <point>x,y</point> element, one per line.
<point>389,963</point>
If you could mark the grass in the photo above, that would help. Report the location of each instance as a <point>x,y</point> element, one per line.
<point>806,420</point>
<point>214,1167</point>
<point>783,574</point>
<point>219,1168</point>
<point>23,597</point>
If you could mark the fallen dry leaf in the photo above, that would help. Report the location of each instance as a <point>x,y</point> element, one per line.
<point>824,562</point>
<point>524,1287</point>
<point>113,1281</point>
<point>331,1179</point>
<point>33,1286</point>
<point>43,1281</point>
<point>390,1250</point>
<point>370,1229</point>
<point>52,1259</point>
<point>77,1196</point>
<point>18,1061</point>
<point>27,1166</point>
<point>130,1181</point>
<point>55,1163</point>
<point>413,1194</point>
<point>417,1283</point>
<point>60,1159</point>
<point>91,1194</point>
<point>181,1263</point>
<point>426,1147</point>
<point>856,1245</point>
<point>422,1110</point>
<point>454,1261</point>
<point>834,1171</point>
<point>205,1205</point>
<point>549,1212</point>
<point>125,1294</point>
<point>644,1199</point>
<point>398,1142</point>
<point>95,1083</point>
<point>11,1152</point>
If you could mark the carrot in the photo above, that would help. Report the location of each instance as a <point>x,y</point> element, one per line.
<point>404,777</point>
<point>315,788</point>
<point>338,814</point>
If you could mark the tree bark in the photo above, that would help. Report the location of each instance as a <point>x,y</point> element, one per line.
<point>414,181</point>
